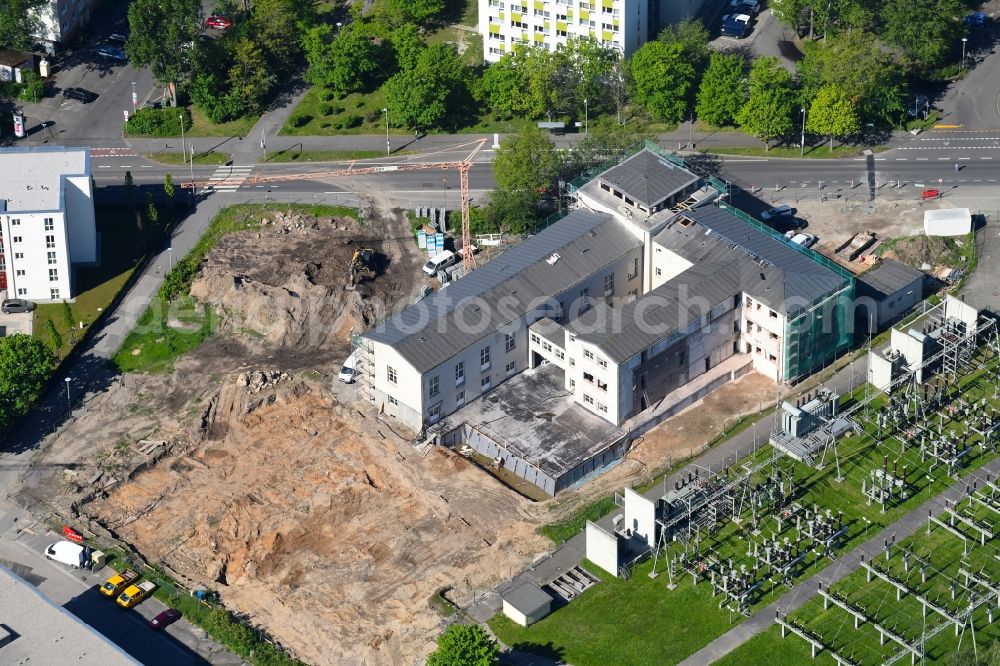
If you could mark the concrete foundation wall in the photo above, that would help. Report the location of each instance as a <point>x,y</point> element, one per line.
<point>602,548</point>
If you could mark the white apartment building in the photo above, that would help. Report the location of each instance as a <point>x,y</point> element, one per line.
<point>60,20</point>
<point>507,24</point>
<point>46,221</point>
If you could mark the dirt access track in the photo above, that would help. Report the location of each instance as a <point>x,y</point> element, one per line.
<point>250,470</point>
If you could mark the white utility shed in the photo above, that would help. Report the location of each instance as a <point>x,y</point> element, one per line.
<point>526,603</point>
<point>947,222</point>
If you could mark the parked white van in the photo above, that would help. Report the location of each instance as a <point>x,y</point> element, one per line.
<point>438,261</point>
<point>349,370</point>
<point>66,552</point>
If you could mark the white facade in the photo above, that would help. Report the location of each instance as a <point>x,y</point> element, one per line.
<point>507,24</point>
<point>46,221</point>
<point>59,21</point>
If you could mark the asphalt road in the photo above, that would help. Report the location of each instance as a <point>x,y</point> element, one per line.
<point>21,546</point>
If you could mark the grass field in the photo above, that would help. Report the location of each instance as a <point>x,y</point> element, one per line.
<point>819,151</point>
<point>174,324</point>
<point>589,630</point>
<point>292,155</point>
<point>202,126</point>
<point>322,112</point>
<point>96,286</point>
<point>178,158</point>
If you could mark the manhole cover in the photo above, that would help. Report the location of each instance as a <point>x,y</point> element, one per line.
<point>870,208</point>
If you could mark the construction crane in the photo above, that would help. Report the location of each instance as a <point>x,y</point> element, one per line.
<point>468,260</point>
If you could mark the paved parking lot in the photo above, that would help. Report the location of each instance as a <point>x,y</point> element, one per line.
<point>21,545</point>
<point>14,323</point>
<point>768,37</point>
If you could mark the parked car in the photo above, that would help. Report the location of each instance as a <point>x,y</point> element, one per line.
<point>805,240</point>
<point>746,6</point>
<point>349,369</point>
<point>112,53</point>
<point>66,552</point>
<point>976,19</point>
<point>735,25</point>
<point>165,619</point>
<point>79,94</point>
<point>116,38</point>
<point>778,211</point>
<point>219,22</point>
<point>16,305</point>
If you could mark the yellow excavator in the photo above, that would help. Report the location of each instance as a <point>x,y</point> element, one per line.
<point>362,266</point>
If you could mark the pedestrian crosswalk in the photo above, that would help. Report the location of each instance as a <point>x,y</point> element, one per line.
<point>229,178</point>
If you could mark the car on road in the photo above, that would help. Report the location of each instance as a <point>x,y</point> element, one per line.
<point>735,25</point>
<point>16,305</point>
<point>79,94</point>
<point>165,619</point>
<point>805,240</point>
<point>746,6</point>
<point>112,53</point>
<point>976,19</point>
<point>116,38</point>
<point>778,211</point>
<point>219,22</point>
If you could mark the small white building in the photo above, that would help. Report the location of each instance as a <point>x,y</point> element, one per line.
<point>526,604</point>
<point>46,221</point>
<point>947,222</point>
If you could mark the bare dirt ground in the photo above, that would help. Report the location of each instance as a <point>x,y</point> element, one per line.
<point>251,471</point>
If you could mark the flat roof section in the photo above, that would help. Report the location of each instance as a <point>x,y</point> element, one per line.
<point>537,415</point>
<point>648,178</point>
<point>551,330</point>
<point>43,633</point>
<point>888,277</point>
<point>32,177</point>
<point>527,598</point>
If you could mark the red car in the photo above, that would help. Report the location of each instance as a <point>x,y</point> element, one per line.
<point>930,194</point>
<point>219,22</point>
<point>165,618</point>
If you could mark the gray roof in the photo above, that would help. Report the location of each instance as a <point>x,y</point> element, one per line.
<point>47,634</point>
<point>776,272</point>
<point>551,330</point>
<point>527,598</point>
<point>32,177</point>
<point>428,333</point>
<point>888,278</point>
<point>621,334</point>
<point>648,178</point>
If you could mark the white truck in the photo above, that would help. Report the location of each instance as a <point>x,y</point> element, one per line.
<point>66,552</point>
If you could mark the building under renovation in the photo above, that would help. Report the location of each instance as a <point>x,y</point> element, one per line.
<point>650,284</point>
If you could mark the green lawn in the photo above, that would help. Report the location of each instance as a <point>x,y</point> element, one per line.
<point>309,119</point>
<point>589,630</point>
<point>96,286</point>
<point>819,151</point>
<point>178,158</point>
<point>202,126</point>
<point>293,155</point>
<point>768,648</point>
<point>565,530</point>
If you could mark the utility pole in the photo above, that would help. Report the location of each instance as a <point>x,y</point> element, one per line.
<point>69,404</point>
<point>385,110</point>
<point>136,99</point>
<point>964,40</point>
<point>802,141</point>
<point>586,117</point>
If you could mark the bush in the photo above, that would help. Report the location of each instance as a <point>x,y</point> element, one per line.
<point>351,120</point>
<point>325,110</point>
<point>371,117</point>
<point>158,122</point>
<point>361,102</point>
<point>329,95</point>
<point>301,120</point>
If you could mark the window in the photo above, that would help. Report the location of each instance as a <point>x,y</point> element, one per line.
<point>601,407</point>
<point>15,222</point>
<point>16,239</point>
<point>774,315</point>
<point>572,384</point>
<point>391,375</point>
<point>635,268</point>
<point>534,338</point>
<point>459,373</point>
<point>484,358</point>
<point>53,293</point>
<point>587,377</point>
<point>53,275</point>
<point>572,363</point>
<point>609,284</point>
<point>587,399</point>
<point>50,242</point>
<point>19,255</point>
<point>433,386</point>
<point>49,224</point>
<point>511,368</point>
<point>518,24</point>
<point>547,346</point>
<point>19,273</point>
<point>509,343</point>
<point>585,293</point>
<point>588,354</point>
<point>434,413</point>
<point>22,292</point>
<point>486,383</point>
<point>52,258</point>
<point>602,385</point>
<point>460,398</point>
<point>393,401</point>
<point>681,357</point>
<point>602,362</point>
<point>659,272</point>
<point>560,355</point>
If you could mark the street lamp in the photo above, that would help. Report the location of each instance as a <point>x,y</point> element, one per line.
<point>964,40</point>
<point>385,110</point>
<point>802,141</point>
<point>135,99</point>
<point>586,117</point>
<point>338,26</point>
<point>170,250</point>
<point>68,404</point>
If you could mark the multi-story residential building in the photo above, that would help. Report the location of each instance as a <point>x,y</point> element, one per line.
<point>60,20</point>
<point>46,220</point>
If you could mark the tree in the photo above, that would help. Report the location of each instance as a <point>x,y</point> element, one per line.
<point>67,315</point>
<point>250,77</point>
<point>435,93</point>
<point>526,161</point>
<point>276,28</point>
<point>347,62</point>
<point>767,113</point>
<point>25,365</point>
<point>161,35</point>
<point>663,79</point>
<point>152,214</point>
<point>34,87</point>
<point>722,92</point>
<point>692,36</point>
<point>584,65</point>
<point>20,22</point>
<point>502,86</point>
<point>541,68</point>
<point>928,31</point>
<point>618,84</point>
<point>513,212</point>
<point>54,338</point>
<point>833,114</point>
<point>168,186</point>
<point>408,45</point>
<point>464,645</point>
<point>395,13</point>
